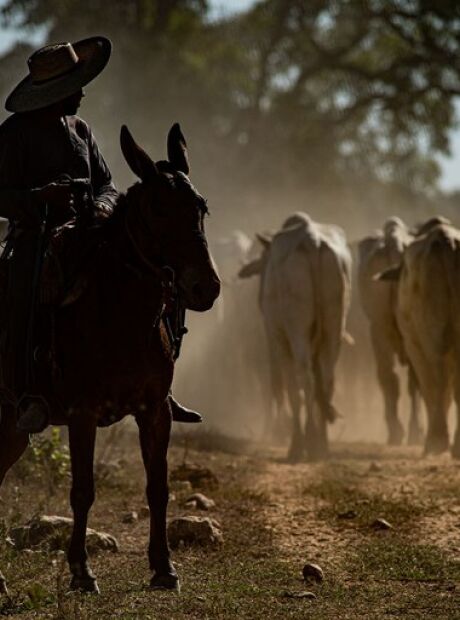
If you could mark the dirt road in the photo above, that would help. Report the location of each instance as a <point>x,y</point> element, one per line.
<point>275,518</point>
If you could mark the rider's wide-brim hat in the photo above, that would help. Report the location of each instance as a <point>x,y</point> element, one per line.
<point>58,71</point>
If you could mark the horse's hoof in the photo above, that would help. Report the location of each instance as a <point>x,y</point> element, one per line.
<point>165,581</point>
<point>85,584</point>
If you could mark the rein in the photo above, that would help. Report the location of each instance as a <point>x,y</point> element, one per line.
<point>172,311</point>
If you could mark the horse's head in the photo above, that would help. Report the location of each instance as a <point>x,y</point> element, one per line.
<point>166,219</point>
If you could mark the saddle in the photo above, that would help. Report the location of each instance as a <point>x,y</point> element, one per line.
<point>62,279</point>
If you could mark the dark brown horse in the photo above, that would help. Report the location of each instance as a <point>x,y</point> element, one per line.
<point>115,356</point>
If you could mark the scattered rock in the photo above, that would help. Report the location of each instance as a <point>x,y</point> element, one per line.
<point>313,572</point>
<point>374,467</point>
<point>54,532</point>
<point>130,517</point>
<point>199,477</point>
<point>193,530</point>
<point>382,524</point>
<point>304,594</point>
<point>347,514</point>
<point>200,501</point>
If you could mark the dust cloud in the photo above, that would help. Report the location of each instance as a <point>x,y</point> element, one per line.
<point>252,185</point>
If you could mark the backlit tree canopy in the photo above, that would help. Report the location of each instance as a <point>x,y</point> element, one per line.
<point>299,92</point>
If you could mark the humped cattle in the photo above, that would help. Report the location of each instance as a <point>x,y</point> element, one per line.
<point>305,274</point>
<point>428,314</point>
<point>378,253</point>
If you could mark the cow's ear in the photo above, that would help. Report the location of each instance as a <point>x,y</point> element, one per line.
<point>264,239</point>
<point>392,274</point>
<point>136,158</point>
<point>253,268</point>
<point>177,149</point>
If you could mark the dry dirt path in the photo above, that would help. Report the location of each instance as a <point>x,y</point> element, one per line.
<point>275,517</point>
<point>326,513</point>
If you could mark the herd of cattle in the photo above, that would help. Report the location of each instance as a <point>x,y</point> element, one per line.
<point>409,287</point>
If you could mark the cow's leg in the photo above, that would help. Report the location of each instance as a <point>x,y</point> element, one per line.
<point>276,415</point>
<point>12,445</point>
<point>439,400</point>
<point>415,435</point>
<point>276,409</point>
<point>456,444</point>
<point>82,437</point>
<point>433,379</point>
<point>324,369</point>
<point>388,379</point>
<point>297,441</point>
<point>154,430</point>
<point>304,370</point>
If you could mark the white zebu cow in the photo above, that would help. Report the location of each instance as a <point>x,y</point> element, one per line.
<point>376,254</point>
<point>304,297</point>
<point>428,312</point>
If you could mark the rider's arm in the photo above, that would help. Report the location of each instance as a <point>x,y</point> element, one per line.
<point>104,192</point>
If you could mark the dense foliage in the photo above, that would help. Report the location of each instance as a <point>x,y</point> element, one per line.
<point>290,96</point>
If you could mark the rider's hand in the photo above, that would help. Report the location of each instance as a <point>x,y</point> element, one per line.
<point>56,195</point>
<point>59,198</point>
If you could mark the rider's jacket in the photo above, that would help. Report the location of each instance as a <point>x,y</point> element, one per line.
<point>35,151</point>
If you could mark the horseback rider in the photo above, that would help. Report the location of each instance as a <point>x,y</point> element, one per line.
<point>51,173</point>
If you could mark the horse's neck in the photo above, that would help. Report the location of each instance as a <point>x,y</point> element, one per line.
<point>120,276</point>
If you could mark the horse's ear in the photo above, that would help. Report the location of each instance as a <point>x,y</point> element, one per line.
<point>136,158</point>
<point>177,149</point>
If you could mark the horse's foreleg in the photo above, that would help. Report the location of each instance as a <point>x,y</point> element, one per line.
<point>154,430</point>
<point>12,445</point>
<point>82,436</point>
<point>12,441</point>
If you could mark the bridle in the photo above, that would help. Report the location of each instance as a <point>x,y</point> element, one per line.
<point>172,310</point>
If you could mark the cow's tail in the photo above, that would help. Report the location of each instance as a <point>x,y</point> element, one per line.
<point>323,397</point>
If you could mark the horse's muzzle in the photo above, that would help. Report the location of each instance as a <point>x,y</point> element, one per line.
<point>202,295</point>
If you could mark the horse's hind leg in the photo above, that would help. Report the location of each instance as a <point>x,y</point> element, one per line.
<point>82,437</point>
<point>12,445</point>
<point>154,430</point>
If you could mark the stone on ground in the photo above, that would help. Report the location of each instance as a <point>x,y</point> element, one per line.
<point>53,532</point>
<point>200,501</point>
<point>304,594</point>
<point>130,517</point>
<point>312,572</point>
<point>381,524</point>
<point>191,530</point>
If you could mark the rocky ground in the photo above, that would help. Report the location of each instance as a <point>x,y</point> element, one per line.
<point>383,525</point>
